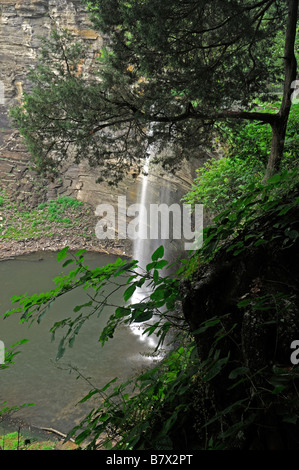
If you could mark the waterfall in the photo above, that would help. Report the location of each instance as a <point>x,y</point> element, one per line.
<point>141,249</point>
<point>142,242</point>
<point>145,245</point>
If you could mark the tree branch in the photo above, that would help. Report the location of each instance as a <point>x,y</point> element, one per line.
<point>226,114</point>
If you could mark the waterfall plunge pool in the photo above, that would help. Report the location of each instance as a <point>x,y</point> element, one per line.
<point>36,377</point>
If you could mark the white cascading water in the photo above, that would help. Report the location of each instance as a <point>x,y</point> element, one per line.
<point>142,241</point>
<point>141,249</point>
<point>144,246</point>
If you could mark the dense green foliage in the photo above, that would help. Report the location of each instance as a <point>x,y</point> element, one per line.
<point>168,72</point>
<point>223,180</point>
<point>49,218</point>
<point>258,200</point>
<point>15,441</point>
<point>187,49</point>
<point>251,141</point>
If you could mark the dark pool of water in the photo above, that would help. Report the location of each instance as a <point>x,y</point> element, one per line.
<point>36,376</point>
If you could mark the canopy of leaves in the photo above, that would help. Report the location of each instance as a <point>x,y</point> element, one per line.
<point>166,72</point>
<point>245,145</point>
<point>210,54</point>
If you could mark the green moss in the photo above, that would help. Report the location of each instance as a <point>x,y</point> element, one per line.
<point>14,441</point>
<point>48,216</point>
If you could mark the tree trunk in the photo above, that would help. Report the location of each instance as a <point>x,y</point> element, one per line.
<point>279,125</point>
<point>277,146</point>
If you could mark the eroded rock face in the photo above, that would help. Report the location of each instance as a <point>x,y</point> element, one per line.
<point>22,24</point>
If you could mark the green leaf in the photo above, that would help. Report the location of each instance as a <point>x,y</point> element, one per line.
<point>78,307</point>
<point>61,349</point>
<point>293,234</point>
<point>161,264</point>
<point>227,410</point>
<point>159,294</point>
<point>290,419</point>
<point>129,292</point>
<point>207,324</point>
<point>159,253</point>
<point>62,254</point>
<point>125,267</point>
<point>80,252</point>
<point>89,395</point>
<point>66,263</point>
<point>215,369</point>
<point>121,312</point>
<point>238,371</point>
<point>141,315</point>
<point>278,389</point>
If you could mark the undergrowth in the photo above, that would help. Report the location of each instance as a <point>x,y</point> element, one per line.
<point>18,223</point>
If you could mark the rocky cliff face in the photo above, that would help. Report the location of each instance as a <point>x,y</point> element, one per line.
<point>22,23</point>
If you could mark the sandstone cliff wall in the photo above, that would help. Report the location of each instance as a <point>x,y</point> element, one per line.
<point>22,24</point>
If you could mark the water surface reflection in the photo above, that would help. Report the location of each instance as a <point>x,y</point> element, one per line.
<point>37,376</point>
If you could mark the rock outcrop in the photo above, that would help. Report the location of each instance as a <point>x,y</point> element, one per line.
<point>22,24</point>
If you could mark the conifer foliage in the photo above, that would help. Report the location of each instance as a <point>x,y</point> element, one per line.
<point>167,72</point>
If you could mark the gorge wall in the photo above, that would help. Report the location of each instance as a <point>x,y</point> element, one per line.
<point>22,23</point>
